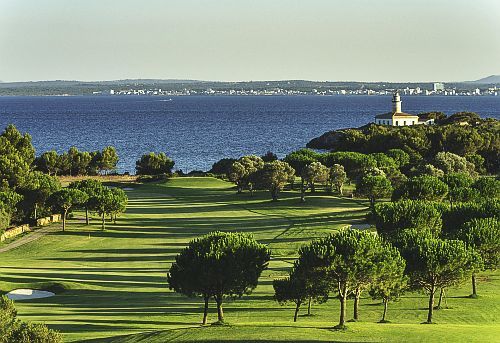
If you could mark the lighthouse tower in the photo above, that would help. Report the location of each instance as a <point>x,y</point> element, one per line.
<point>396,103</point>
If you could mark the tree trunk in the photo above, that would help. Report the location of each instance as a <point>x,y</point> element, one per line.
<point>36,208</point>
<point>240,188</point>
<point>274,194</point>
<point>103,223</point>
<point>341,190</point>
<point>302,192</point>
<point>474,291</point>
<point>313,188</point>
<point>297,308</point>
<point>86,215</point>
<point>205,310</point>
<point>114,219</point>
<point>309,306</point>
<point>431,304</point>
<point>441,294</point>
<point>356,303</point>
<point>64,220</point>
<point>220,312</point>
<point>386,301</point>
<point>343,300</point>
<point>372,202</point>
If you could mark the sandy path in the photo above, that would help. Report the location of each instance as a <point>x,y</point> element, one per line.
<point>30,237</point>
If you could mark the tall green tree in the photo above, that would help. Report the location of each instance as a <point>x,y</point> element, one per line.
<point>344,257</point>
<point>273,176</point>
<point>243,168</point>
<point>9,201</point>
<point>230,265</point>
<point>13,141</point>
<point>92,188</point>
<point>314,173</point>
<point>374,187</point>
<point>118,203</point>
<point>48,162</point>
<point>37,189</point>
<point>108,159</point>
<point>79,161</point>
<point>434,264</point>
<point>154,164</point>
<point>304,284</point>
<point>391,282</point>
<point>290,290</point>
<point>223,166</point>
<point>102,203</point>
<point>482,235</point>
<point>354,163</point>
<point>337,177</point>
<point>66,199</point>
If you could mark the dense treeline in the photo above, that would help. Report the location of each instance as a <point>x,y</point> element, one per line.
<point>29,191</point>
<point>463,134</point>
<point>75,162</point>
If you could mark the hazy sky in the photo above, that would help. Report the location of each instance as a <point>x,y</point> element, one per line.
<point>365,40</point>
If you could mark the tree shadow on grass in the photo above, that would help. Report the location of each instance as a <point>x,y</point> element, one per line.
<point>170,335</point>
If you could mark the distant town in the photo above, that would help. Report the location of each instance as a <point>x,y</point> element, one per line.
<point>489,86</point>
<point>438,88</point>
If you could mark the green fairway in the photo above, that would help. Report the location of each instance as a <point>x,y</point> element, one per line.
<point>111,285</point>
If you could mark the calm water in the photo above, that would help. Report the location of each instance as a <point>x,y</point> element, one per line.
<point>197,131</point>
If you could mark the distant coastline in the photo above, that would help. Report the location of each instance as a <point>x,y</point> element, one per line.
<point>248,88</point>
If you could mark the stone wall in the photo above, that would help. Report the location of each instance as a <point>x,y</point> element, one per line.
<point>12,232</point>
<point>9,233</point>
<point>55,218</point>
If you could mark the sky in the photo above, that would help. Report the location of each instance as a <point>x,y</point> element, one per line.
<point>237,40</point>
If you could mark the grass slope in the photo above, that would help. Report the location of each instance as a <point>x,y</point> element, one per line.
<point>111,285</point>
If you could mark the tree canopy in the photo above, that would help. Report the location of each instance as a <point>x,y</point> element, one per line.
<point>65,199</point>
<point>273,177</point>
<point>154,164</point>
<point>217,265</point>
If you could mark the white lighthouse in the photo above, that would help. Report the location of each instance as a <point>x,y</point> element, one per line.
<point>398,118</point>
<point>396,103</point>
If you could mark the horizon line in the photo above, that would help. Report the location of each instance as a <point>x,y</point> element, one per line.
<point>239,81</point>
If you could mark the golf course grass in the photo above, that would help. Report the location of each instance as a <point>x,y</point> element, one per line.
<point>111,285</point>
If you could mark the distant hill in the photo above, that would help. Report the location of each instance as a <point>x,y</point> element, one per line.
<point>489,79</point>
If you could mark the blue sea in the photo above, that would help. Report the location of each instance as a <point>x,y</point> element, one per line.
<point>198,131</point>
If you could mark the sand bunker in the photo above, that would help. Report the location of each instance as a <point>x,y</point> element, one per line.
<point>128,189</point>
<point>25,294</point>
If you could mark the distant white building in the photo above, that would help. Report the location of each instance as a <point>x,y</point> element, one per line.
<point>438,86</point>
<point>397,117</point>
